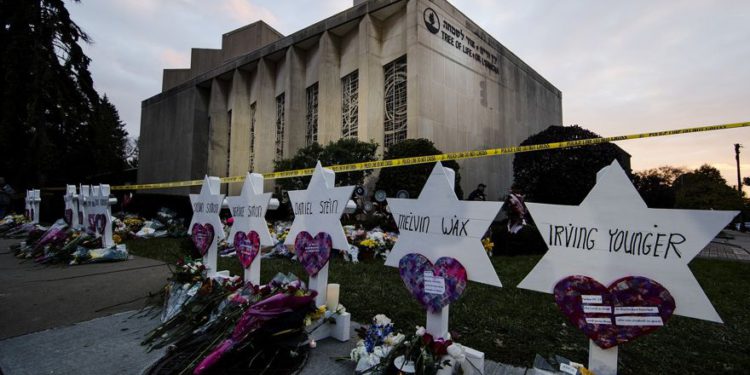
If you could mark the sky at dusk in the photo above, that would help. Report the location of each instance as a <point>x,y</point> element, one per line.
<point>623,66</point>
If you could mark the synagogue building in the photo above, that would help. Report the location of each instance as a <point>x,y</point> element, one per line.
<point>382,70</point>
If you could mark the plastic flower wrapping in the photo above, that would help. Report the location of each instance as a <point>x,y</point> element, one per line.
<point>222,325</point>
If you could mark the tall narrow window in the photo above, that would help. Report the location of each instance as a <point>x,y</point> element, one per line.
<point>395,101</point>
<point>350,104</point>
<point>280,126</point>
<point>311,135</point>
<point>229,139</point>
<point>252,135</point>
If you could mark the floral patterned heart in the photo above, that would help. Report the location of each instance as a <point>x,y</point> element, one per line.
<point>101,223</point>
<point>68,216</point>
<point>313,252</point>
<point>630,307</point>
<point>247,247</point>
<point>203,236</point>
<point>433,285</point>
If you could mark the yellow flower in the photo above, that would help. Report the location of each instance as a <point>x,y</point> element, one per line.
<point>316,315</point>
<point>117,238</point>
<point>368,243</point>
<point>488,244</point>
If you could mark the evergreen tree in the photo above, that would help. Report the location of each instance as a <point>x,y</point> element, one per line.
<point>413,177</point>
<point>562,176</point>
<point>51,118</point>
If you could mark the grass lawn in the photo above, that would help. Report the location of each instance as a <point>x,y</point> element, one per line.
<point>511,325</point>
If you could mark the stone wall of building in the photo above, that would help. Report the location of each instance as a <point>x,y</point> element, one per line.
<point>384,70</point>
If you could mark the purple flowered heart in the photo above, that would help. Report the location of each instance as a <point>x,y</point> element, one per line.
<point>313,252</point>
<point>247,247</point>
<point>101,223</point>
<point>203,236</point>
<point>434,286</point>
<point>68,216</point>
<point>637,306</point>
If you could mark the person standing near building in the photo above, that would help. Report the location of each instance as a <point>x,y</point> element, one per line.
<point>478,194</point>
<point>6,197</point>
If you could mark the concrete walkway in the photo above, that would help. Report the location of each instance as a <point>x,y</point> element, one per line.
<point>81,320</point>
<point>35,297</point>
<point>736,248</point>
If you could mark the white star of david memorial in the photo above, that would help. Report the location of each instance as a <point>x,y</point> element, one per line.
<point>437,224</point>
<point>206,207</point>
<point>71,203</point>
<point>319,209</point>
<point>33,201</point>
<point>100,214</point>
<point>249,213</point>
<point>454,229</point>
<point>613,234</point>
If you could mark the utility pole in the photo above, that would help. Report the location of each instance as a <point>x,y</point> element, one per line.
<point>737,147</point>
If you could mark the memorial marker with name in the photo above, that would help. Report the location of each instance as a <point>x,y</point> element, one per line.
<point>71,207</point>
<point>440,248</point>
<point>99,219</point>
<point>250,230</point>
<point>613,252</point>
<point>33,200</point>
<point>84,191</point>
<point>205,228</point>
<point>317,230</point>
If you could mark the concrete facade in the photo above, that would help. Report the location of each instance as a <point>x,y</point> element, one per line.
<point>383,70</point>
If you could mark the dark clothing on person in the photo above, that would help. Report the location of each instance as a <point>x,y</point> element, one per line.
<point>6,196</point>
<point>477,195</point>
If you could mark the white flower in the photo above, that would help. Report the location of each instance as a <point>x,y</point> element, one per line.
<point>313,344</point>
<point>373,359</point>
<point>458,352</point>
<point>420,331</point>
<point>340,309</point>
<point>381,320</point>
<point>358,352</point>
<point>393,340</point>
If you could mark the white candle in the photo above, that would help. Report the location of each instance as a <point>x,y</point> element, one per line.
<point>332,297</point>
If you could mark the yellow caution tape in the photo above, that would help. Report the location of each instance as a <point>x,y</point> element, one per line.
<point>443,157</point>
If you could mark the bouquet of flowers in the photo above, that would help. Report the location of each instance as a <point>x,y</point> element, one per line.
<point>54,236</point>
<point>64,253</point>
<point>9,222</point>
<point>252,328</point>
<point>383,351</point>
<point>374,243</point>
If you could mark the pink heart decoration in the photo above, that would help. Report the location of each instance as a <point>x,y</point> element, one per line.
<point>650,299</point>
<point>313,252</point>
<point>446,285</point>
<point>101,223</point>
<point>68,216</point>
<point>247,247</point>
<point>203,236</point>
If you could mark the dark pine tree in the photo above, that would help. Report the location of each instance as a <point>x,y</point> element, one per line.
<point>49,106</point>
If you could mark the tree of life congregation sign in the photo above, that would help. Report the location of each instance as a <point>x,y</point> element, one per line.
<point>618,269</point>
